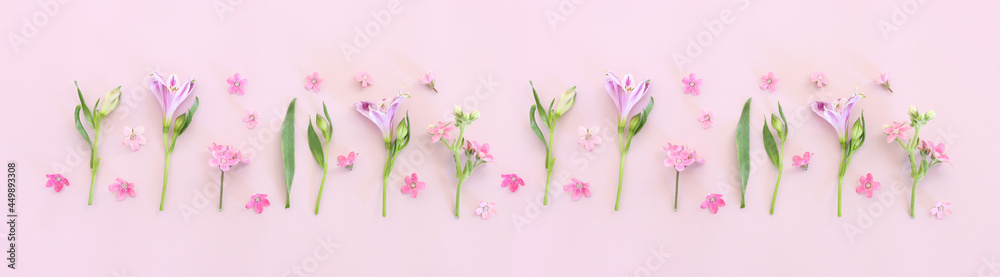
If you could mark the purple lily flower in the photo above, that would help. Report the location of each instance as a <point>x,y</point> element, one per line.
<point>626,92</point>
<point>170,93</point>
<point>382,112</point>
<point>837,113</point>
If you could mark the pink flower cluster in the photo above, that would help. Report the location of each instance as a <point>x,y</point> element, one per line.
<point>680,157</point>
<point>225,157</point>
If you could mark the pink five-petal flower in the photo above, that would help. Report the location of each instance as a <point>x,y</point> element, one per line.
<point>896,130</point>
<point>258,202</point>
<point>707,119</point>
<point>578,188</point>
<point>819,78</point>
<point>122,188</point>
<point>692,85</point>
<point>713,202</point>
<point>313,81</point>
<point>428,81</point>
<point>134,137</point>
<point>868,185</point>
<point>441,130</point>
<point>589,137</point>
<point>252,119</point>
<point>936,151</point>
<point>512,181</point>
<point>236,84</point>
<point>483,152</point>
<point>680,157</point>
<point>363,78</point>
<point>768,82</point>
<point>347,161</point>
<point>412,185</point>
<point>57,181</point>
<point>802,161</point>
<point>486,209</point>
<point>940,209</point>
<point>883,80</point>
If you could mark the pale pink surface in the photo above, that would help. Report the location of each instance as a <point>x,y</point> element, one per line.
<point>944,57</point>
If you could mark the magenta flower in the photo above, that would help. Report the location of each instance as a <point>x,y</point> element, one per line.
<point>225,157</point>
<point>713,202</point>
<point>802,161</point>
<point>691,84</point>
<point>837,113</point>
<point>768,82</point>
<point>819,78</point>
<point>940,209</point>
<point>134,137</point>
<point>313,81</point>
<point>625,92</point>
<point>486,209</point>
<point>382,112</point>
<point>707,119</point>
<point>868,186</point>
<point>883,80</point>
<point>512,181</point>
<point>122,188</point>
<point>936,151</point>
<point>441,130</point>
<point>680,157</point>
<point>412,185</point>
<point>258,202</point>
<point>896,130</point>
<point>589,137</point>
<point>236,84</point>
<point>483,152</point>
<point>578,188</point>
<point>347,161</point>
<point>428,81</point>
<point>170,93</point>
<point>251,119</point>
<point>363,78</point>
<point>57,181</point>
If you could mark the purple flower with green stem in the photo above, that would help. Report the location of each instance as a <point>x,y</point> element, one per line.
<point>838,113</point>
<point>382,113</point>
<point>475,154</point>
<point>170,93</point>
<point>94,118</point>
<point>549,117</point>
<point>626,93</point>
<point>923,154</point>
<point>319,149</point>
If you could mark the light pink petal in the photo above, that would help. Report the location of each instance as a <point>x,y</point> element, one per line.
<point>121,195</point>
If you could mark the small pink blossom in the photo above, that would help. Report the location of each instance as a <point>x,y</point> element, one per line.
<point>936,151</point>
<point>868,186</point>
<point>441,130</point>
<point>258,202</point>
<point>768,82</point>
<point>134,137</point>
<point>225,157</point>
<point>819,78</point>
<point>252,119</point>
<point>313,81</point>
<point>940,209</point>
<point>486,209</point>
<point>363,78</point>
<point>896,130</point>
<point>578,188</point>
<point>802,161</point>
<point>57,181</point>
<point>680,157</point>
<point>412,185</point>
<point>691,85</point>
<point>347,161</point>
<point>428,81</point>
<point>707,119</point>
<point>236,84</point>
<point>883,80</point>
<point>512,181</point>
<point>481,151</point>
<point>122,188</point>
<point>589,137</point>
<point>713,202</point>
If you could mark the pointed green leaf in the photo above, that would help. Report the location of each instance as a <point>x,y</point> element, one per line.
<point>770,145</point>
<point>97,114</point>
<point>327,115</point>
<point>79,126</point>
<point>83,103</point>
<point>538,104</point>
<point>315,146</point>
<point>644,116</point>
<point>178,130</point>
<point>288,149</point>
<point>743,149</point>
<point>784,121</point>
<point>534,127</point>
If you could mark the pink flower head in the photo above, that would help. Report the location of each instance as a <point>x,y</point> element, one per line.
<point>713,202</point>
<point>896,130</point>
<point>313,81</point>
<point>428,81</point>
<point>819,78</point>
<point>940,209</point>
<point>252,119</point>
<point>236,84</point>
<point>170,93</point>
<point>258,202</point>
<point>486,209</point>
<point>768,82</point>
<point>382,112</point>
<point>626,92</point>
<point>707,119</point>
<point>122,188</point>
<point>802,161</point>
<point>579,189</point>
<point>57,181</point>
<point>883,80</point>
<point>680,157</point>
<point>483,152</point>
<point>225,157</point>
<point>347,161</point>
<point>589,137</point>
<point>936,151</point>
<point>412,185</point>
<point>837,113</point>
<point>512,181</point>
<point>868,186</point>
<point>363,78</point>
<point>441,130</point>
<point>134,137</point>
<point>691,84</point>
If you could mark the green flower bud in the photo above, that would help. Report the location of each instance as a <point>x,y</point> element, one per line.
<point>324,127</point>
<point>633,124</point>
<point>778,125</point>
<point>179,122</point>
<point>914,115</point>
<point>474,115</point>
<point>458,112</point>
<point>929,115</point>
<point>566,101</point>
<point>111,101</point>
<point>858,133</point>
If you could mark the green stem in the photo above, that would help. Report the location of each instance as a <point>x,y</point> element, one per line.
<point>322,183</point>
<point>621,170</point>
<point>222,178</point>
<point>774,198</point>
<point>549,164</point>
<point>166,169</point>
<point>677,181</point>
<point>913,196</point>
<point>93,163</point>
<point>458,196</point>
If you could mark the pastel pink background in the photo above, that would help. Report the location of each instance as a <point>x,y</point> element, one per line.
<point>942,57</point>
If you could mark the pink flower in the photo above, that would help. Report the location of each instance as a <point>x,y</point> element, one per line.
<point>579,189</point>
<point>713,202</point>
<point>486,209</point>
<point>412,185</point>
<point>767,82</point>
<point>57,181</point>
<point>169,93</point>
<point>819,78</point>
<point>481,151</point>
<point>868,186</point>
<point>225,157</point>
<point>382,112</point>
<point>441,130</point>
<point>122,188</point>
<point>680,157</point>
<point>512,181</point>
<point>940,209</point>
<point>626,92</point>
<point>707,119</point>
<point>936,151</point>
<point>258,202</point>
<point>236,84</point>
<point>134,137</point>
<point>691,84</point>
<point>251,119</point>
<point>428,81</point>
<point>313,81</point>
<point>896,130</point>
<point>589,137</point>
<point>883,80</point>
<point>364,78</point>
<point>802,161</point>
<point>347,161</point>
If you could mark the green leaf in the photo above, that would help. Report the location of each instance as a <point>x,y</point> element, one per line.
<point>534,127</point>
<point>288,149</point>
<point>178,130</point>
<point>552,115</point>
<point>97,114</point>
<point>315,146</point>
<point>644,116</point>
<point>79,126</point>
<point>327,115</point>
<point>784,121</point>
<point>743,149</point>
<point>538,104</point>
<point>86,110</point>
<point>770,145</point>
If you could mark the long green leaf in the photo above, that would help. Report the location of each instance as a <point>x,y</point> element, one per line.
<point>327,115</point>
<point>534,127</point>
<point>79,126</point>
<point>187,119</point>
<point>86,110</point>
<point>770,145</point>
<point>645,116</point>
<point>538,104</point>
<point>743,149</point>
<point>315,145</point>
<point>784,121</point>
<point>288,149</point>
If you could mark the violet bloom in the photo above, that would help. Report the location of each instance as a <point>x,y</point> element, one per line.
<point>868,186</point>
<point>170,93</point>
<point>122,189</point>
<point>512,181</point>
<point>713,202</point>
<point>56,181</point>
<point>626,92</point>
<point>258,202</point>
<point>837,113</point>
<point>382,112</point>
<point>578,188</point>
